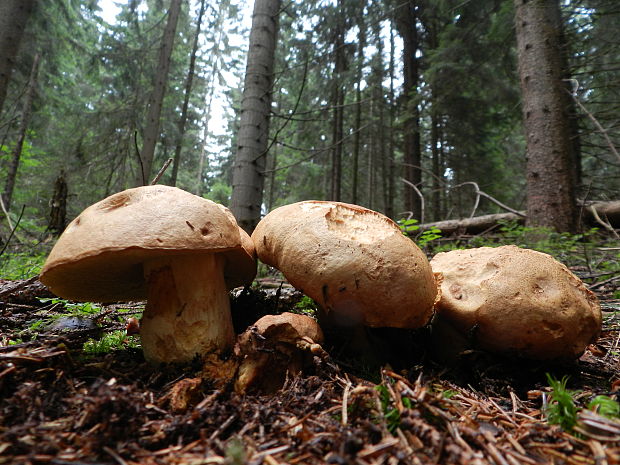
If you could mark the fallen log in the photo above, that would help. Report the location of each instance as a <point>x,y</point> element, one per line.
<point>599,214</point>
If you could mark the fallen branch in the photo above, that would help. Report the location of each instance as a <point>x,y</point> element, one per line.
<point>477,224</point>
<point>480,193</point>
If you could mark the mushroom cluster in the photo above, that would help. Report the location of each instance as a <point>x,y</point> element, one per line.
<point>179,251</point>
<point>183,253</point>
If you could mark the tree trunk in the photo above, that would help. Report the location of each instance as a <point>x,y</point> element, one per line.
<point>188,91</point>
<point>338,104</point>
<point>58,206</point>
<point>151,132</point>
<point>252,139</point>
<point>389,208</point>
<point>14,15</point>
<point>406,23</point>
<point>11,176</point>
<point>549,158</point>
<point>437,179</point>
<point>358,109</point>
<point>209,100</point>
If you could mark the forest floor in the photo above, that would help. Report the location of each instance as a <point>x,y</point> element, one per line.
<point>61,404</point>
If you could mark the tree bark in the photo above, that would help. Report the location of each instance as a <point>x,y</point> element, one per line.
<point>58,205</point>
<point>248,170</point>
<point>338,104</point>
<point>391,194</point>
<point>151,132</point>
<point>14,15</point>
<point>11,176</point>
<point>188,92</point>
<point>211,83</point>
<point>406,23</point>
<point>358,109</point>
<point>550,170</point>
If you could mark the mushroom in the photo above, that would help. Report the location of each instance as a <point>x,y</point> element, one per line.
<point>279,345</point>
<point>179,251</point>
<point>354,262</point>
<point>514,301</point>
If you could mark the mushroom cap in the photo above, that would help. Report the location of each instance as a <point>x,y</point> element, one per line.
<point>286,327</point>
<point>352,261</point>
<point>274,347</point>
<point>517,301</point>
<point>99,256</point>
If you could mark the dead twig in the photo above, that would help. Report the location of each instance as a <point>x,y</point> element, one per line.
<point>115,456</point>
<point>605,224</point>
<point>6,244</point>
<point>598,125</point>
<point>419,193</point>
<point>480,193</point>
<point>161,171</point>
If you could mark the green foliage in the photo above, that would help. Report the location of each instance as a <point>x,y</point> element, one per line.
<point>605,406</point>
<point>74,308</point>
<point>408,226</point>
<point>306,306</point>
<point>562,246</point>
<point>545,239</point>
<point>411,225</point>
<point>219,193</point>
<point>21,265</point>
<point>561,409</point>
<point>115,340</point>
<point>29,156</point>
<point>429,235</point>
<point>391,414</point>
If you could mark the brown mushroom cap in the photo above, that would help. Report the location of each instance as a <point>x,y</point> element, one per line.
<point>100,254</point>
<point>350,260</point>
<point>287,327</point>
<point>273,348</point>
<point>517,301</point>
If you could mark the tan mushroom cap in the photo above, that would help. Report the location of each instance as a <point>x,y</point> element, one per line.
<point>285,328</point>
<point>352,261</point>
<point>517,301</point>
<point>100,254</point>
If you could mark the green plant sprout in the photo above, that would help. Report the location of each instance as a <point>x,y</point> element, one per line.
<point>561,409</point>
<point>391,413</point>
<point>605,406</point>
<point>306,306</point>
<point>115,340</point>
<point>408,226</point>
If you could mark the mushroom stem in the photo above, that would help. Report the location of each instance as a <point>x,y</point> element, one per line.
<point>188,309</point>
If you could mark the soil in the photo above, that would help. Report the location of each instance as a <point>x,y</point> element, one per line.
<point>59,405</point>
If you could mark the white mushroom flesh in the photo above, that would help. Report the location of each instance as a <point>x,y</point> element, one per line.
<point>188,309</point>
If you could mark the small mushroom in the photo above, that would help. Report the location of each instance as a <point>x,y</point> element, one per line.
<point>354,262</point>
<point>275,347</point>
<point>179,251</point>
<point>514,301</point>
